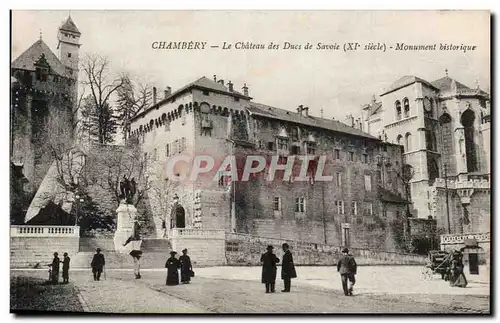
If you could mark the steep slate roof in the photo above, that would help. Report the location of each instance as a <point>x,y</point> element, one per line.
<point>444,85</point>
<point>203,83</point>
<point>26,60</point>
<point>70,26</point>
<point>285,115</point>
<point>375,108</point>
<point>405,81</point>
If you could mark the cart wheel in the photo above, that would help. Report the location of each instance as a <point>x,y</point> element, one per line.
<point>427,273</point>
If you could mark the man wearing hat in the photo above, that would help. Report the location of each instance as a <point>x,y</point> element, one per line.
<point>55,268</point>
<point>269,261</point>
<point>347,269</point>
<point>287,268</point>
<point>97,264</point>
<point>173,264</point>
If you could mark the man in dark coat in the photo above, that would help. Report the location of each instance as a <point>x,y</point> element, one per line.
<point>287,268</point>
<point>269,261</point>
<point>55,269</point>
<point>97,264</point>
<point>65,274</point>
<point>347,268</point>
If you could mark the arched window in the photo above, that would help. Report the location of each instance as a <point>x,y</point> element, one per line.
<point>398,110</point>
<point>399,140</point>
<point>406,104</point>
<point>407,142</point>
<point>467,121</point>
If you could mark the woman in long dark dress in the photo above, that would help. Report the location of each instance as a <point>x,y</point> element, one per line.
<point>186,267</point>
<point>457,278</point>
<point>173,264</point>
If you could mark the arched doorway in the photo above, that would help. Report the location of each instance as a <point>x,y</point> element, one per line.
<point>178,217</point>
<point>467,121</point>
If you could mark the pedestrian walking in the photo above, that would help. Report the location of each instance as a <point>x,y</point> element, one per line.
<point>269,261</point>
<point>135,241</point>
<point>287,268</point>
<point>65,273</point>
<point>97,264</point>
<point>55,268</point>
<point>347,268</point>
<point>186,267</point>
<point>457,276</point>
<point>173,264</point>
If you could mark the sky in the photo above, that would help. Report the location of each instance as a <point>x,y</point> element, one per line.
<point>336,82</point>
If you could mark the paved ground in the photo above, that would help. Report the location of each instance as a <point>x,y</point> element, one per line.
<point>238,290</point>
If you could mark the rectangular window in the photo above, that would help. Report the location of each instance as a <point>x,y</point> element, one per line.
<point>369,209</point>
<point>295,150</point>
<point>350,156</point>
<point>368,182</point>
<point>365,158</point>
<point>155,154</point>
<point>336,154</point>
<point>338,179</point>
<point>354,206</point>
<point>379,176</point>
<point>69,54</point>
<point>282,144</point>
<point>277,203</point>
<point>270,145</point>
<point>311,148</point>
<point>340,207</point>
<point>206,93</point>
<point>167,150</point>
<point>300,204</point>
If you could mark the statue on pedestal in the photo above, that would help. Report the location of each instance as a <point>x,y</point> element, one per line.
<point>128,189</point>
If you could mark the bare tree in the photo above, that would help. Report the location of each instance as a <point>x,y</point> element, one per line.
<point>109,164</point>
<point>133,98</point>
<point>102,87</point>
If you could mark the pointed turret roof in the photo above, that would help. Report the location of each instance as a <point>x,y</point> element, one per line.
<point>27,60</point>
<point>70,26</point>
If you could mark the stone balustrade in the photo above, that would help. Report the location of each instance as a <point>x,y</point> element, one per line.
<point>460,238</point>
<point>474,184</point>
<point>197,234</point>
<point>44,231</point>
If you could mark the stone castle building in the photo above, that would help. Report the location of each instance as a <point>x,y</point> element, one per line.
<point>362,206</point>
<point>444,127</point>
<point>43,89</point>
<point>43,94</point>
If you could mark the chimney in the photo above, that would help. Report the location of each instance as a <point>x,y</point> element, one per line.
<point>154,94</point>
<point>305,111</point>
<point>220,82</point>
<point>215,78</point>
<point>230,85</point>
<point>245,89</point>
<point>168,91</point>
<point>300,108</point>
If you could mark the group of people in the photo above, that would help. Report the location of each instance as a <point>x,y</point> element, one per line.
<point>54,268</point>
<point>346,266</point>
<point>174,265</point>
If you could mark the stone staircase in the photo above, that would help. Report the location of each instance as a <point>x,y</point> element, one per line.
<point>155,254</point>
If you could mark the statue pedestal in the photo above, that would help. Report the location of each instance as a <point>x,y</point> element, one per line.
<point>125,216</point>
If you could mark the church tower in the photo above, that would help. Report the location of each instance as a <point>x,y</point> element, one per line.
<point>69,47</point>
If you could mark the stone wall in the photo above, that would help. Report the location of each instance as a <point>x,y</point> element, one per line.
<point>205,247</point>
<point>245,250</point>
<point>27,252</point>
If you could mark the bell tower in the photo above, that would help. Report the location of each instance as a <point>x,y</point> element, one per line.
<point>69,46</point>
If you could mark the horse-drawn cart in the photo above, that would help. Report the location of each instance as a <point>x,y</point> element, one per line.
<point>438,263</point>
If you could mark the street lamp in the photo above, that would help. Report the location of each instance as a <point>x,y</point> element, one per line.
<point>77,199</point>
